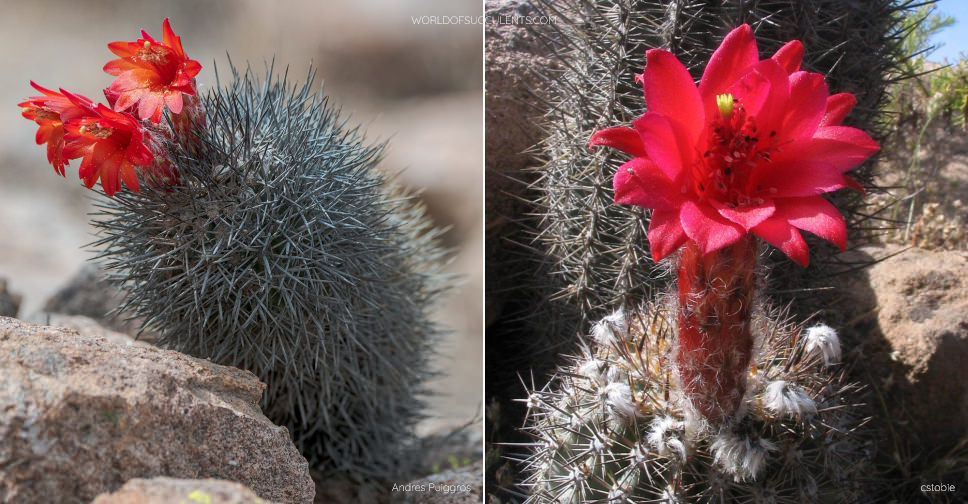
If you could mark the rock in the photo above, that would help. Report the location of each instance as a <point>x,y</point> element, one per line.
<point>91,327</point>
<point>443,445</point>
<point>164,490</point>
<point>922,301</point>
<point>344,489</point>
<point>80,415</point>
<point>450,444</point>
<point>455,486</point>
<point>89,294</point>
<point>9,302</point>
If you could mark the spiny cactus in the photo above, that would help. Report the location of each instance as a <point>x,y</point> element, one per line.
<point>285,251</point>
<point>600,248</point>
<point>615,425</point>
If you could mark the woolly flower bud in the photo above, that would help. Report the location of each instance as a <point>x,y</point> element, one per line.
<point>743,457</point>
<point>665,436</point>
<point>788,399</point>
<point>823,338</point>
<point>610,328</point>
<point>618,398</point>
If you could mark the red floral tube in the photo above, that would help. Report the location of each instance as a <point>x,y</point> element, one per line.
<point>715,309</point>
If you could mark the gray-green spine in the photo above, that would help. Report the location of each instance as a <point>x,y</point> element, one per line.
<point>285,251</point>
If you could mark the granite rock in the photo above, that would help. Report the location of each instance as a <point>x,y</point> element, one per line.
<point>81,415</point>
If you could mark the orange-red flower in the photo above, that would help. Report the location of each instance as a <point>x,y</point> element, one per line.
<point>750,150</point>
<point>151,75</point>
<point>51,111</point>
<point>111,143</point>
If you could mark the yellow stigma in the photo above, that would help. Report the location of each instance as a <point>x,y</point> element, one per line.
<point>147,44</point>
<point>82,130</point>
<point>725,104</point>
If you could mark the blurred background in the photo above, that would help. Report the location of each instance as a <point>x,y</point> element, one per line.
<point>414,83</point>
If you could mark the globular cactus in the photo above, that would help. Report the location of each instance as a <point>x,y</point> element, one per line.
<point>600,249</point>
<point>285,251</point>
<point>616,424</point>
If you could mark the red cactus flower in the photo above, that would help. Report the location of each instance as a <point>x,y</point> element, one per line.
<point>750,150</point>
<point>111,143</point>
<point>51,111</point>
<point>151,75</point>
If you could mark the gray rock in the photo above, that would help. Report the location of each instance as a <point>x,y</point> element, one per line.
<point>162,490</point>
<point>455,486</point>
<point>922,312</point>
<point>9,302</point>
<point>90,295</point>
<point>80,415</point>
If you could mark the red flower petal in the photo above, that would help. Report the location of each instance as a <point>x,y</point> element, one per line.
<point>752,91</point>
<point>731,60</point>
<point>109,170</point>
<point>169,38</point>
<point>841,146</point>
<point>151,75</point>
<point>816,215</point>
<point>838,106</point>
<point>670,91</point>
<point>129,176</point>
<point>122,49</point>
<point>640,182</point>
<point>746,216</point>
<point>808,100</point>
<point>125,99</point>
<point>665,233</point>
<point>790,56</point>
<point>150,106</point>
<point>662,145</point>
<point>800,177</point>
<point>707,228</point>
<point>765,93</point>
<point>782,235</point>
<point>626,140</point>
<point>853,184</point>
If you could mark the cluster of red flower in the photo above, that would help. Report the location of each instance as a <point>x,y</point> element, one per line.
<point>121,139</point>
<point>749,150</point>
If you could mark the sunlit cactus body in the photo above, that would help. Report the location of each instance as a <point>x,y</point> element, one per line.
<point>284,251</point>
<point>616,424</point>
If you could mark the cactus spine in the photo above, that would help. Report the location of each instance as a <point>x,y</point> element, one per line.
<point>286,252</point>
<point>616,425</point>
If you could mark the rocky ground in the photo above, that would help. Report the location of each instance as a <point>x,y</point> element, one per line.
<point>92,414</point>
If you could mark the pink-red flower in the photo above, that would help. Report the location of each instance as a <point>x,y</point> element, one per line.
<point>111,143</point>
<point>750,150</point>
<point>50,112</point>
<point>151,75</point>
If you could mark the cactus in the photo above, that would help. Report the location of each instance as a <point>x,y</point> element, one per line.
<point>600,249</point>
<point>285,251</point>
<point>688,398</point>
<point>616,424</point>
